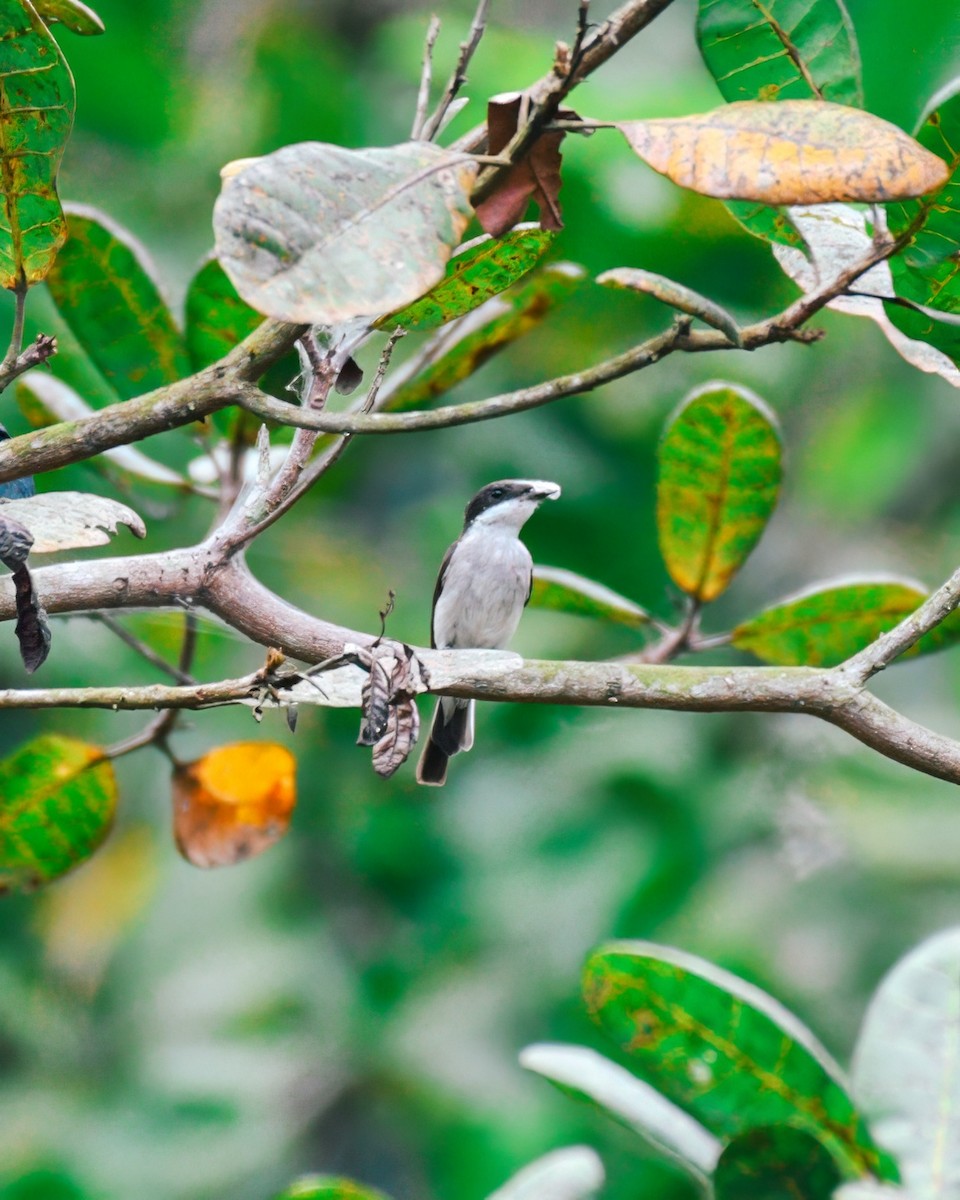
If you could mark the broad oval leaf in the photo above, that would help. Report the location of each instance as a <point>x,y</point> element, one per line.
<point>824,625</point>
<point>72,14</point>
<point>719,480</point>
<point>318,234</point>
<point>36,117</point>
<point>233,803</point>
<point>565,591</point>
<point>774,1162</point>
<point>570,1173</point>
<point>724,1050</point>
<point>780,50</point>
<point>328,1187</point>
<point>44,399</point>
<point>481,269</point>
<point>667,291</point>
<point>57,800</point>
<point>462,347</point>
<point>906,1068</point>
<point>587,1075</point>
<point>104,287</point>
<point>71,520</point>
<point>795,152</point>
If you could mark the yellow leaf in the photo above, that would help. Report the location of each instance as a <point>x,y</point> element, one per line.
<point>790,152</point>
<point>233,803</point>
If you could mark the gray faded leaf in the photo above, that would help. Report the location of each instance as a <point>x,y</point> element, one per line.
<point>837,237</point>
<point>572,1173</point>
<point>591,1076</point>
<point>906,1069</point>
<point>318,234</point>
<point>71,520</point>
<point>43,399</point>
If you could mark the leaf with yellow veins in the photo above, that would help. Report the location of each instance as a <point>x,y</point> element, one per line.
<point>793,152</point>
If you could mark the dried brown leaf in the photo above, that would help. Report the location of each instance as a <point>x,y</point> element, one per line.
<point>535,177</point>
<point>791,152</point>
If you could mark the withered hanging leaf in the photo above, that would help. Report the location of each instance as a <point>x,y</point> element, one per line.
<point>535,177</point>
<point>71,520</point>
<point>399,738</point>
<point>233,803</point>
<point>32,630</point>
<point>792,152</point>
<point>375,697</point>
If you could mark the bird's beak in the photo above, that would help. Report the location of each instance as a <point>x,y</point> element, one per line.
<point>544,490</point>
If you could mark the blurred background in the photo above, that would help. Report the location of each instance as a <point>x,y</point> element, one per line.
<point>354,1000</point>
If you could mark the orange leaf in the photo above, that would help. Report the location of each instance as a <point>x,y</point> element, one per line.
<point>233,803</point>
<point>791,152</point>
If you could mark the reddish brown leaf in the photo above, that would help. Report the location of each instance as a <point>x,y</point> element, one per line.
<point>791,152</point>
<point>233,803</point>
<point>535,177</point>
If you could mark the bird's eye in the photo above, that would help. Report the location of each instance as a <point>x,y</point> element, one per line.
<point>497,494</point>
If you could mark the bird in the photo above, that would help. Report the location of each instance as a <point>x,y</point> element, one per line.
<point>483,587</point>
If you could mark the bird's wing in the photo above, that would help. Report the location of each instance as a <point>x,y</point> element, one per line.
<point>439,587</point>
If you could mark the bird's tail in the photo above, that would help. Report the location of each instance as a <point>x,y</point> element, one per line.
<point>451,732</point>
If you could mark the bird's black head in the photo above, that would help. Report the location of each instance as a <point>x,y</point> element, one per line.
<point>520,493</point>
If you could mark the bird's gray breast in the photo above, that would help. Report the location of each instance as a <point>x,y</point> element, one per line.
<point>485,588</point>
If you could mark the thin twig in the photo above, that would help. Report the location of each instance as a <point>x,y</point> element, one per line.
<point>386,354</point>
<point>142,648</point>
<point>38,352</point>
<point>16,336</point>
<point>426,78</point>
<point>468,48</point>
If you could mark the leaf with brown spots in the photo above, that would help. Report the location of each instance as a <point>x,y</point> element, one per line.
<point>233,803</point>
<point>794,152</point>
<point>535,177</point>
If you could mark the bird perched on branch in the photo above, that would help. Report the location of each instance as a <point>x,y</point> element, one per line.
<point>484,583</point>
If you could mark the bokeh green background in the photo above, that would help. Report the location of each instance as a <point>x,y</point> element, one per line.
<point>354,1001</point>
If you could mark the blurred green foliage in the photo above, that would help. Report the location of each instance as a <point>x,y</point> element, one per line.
<point>353,1002</point>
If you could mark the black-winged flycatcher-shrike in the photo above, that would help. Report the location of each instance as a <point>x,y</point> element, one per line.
<point>483,586</point>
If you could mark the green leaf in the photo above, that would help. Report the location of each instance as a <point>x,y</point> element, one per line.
<point>776,1162</point>
<point>825,625</point>
<point>586,1075</point>
<point>216,318</point>
<point>318,234</point>
<point>781,50</point>
<point>73,14</point>
<point>926,271</point>
<point>463,347</point>
<point>327,1187</point>
<point>104,287</point>
<point>718,485</point>
<point>44,400</point>
<point>777,51</point>
<point>724,1050</point>
<point>906,1069</point>
<point>565,591</point>
<point>483,268</point>
<point>57,799</point>
<point>36,115</point>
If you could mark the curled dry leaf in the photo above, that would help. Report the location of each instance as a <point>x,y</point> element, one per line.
<point>792,152</point>
<point>535,177</point>
<point>71,520</point>
<point>32,630</point>
<point>233,803</point>
<point>391,721</point>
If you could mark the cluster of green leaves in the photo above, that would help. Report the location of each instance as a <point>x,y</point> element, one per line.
<point>718,485</point>
<point>737,1091</point>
